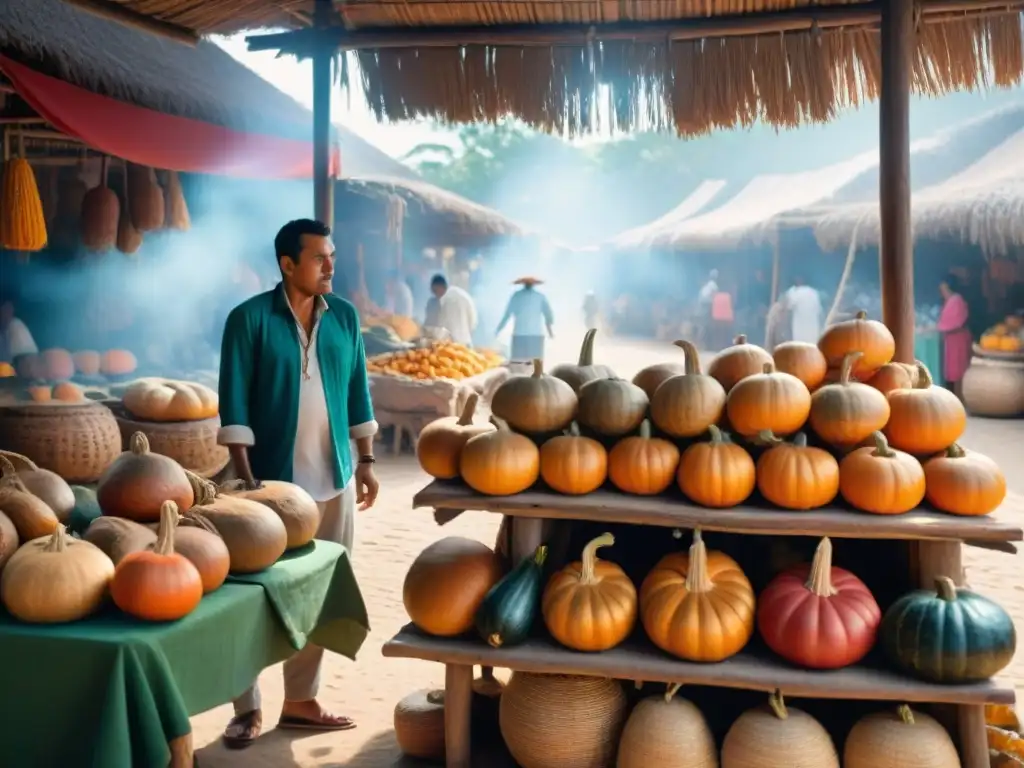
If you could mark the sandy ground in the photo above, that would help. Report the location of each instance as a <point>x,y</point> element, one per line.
<point>390,535</point>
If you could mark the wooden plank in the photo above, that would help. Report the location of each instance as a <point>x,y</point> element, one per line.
<point>673,511</point>
<point>750,670</point>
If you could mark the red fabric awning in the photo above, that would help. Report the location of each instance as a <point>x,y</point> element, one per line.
<point>147,137</point>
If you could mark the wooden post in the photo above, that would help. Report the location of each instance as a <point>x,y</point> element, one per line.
<point>458,699</point>
<point>896,243</point>
<point>323,181</point>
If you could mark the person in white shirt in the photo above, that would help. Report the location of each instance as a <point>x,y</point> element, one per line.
<point>533,316</point>
<point>15,338</point>
<point>804,305</point>
<point>399,296</point>
<point>455,310</point>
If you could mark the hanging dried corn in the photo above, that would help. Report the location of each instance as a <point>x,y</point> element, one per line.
<point>22,224</point>
<point>100,213</point>
<point>129,239</point>
<point>145,198</point>
<point>177,209</point>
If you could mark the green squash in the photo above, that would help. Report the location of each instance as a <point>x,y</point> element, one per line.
<point>509,609</point>
<point>86,509</point>
<point>948,636</point>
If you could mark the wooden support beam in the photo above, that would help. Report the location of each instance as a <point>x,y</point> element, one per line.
<point>323,183</point>
<point>304,42</point>
<point>114,11</point>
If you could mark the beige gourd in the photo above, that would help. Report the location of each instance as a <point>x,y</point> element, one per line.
<point>899,738</point>
<point>296,508</point>
<point>48,486</point>
<point>32,517</point>
<point>775,736</point>
<point>668,732</point>
<point>117,537</point>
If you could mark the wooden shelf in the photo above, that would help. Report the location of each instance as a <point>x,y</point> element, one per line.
<point>673,511</point>
<point>750,670</point>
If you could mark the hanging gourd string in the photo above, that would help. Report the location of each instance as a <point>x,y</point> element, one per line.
<point>778,704</point>
<point>165,533</point>
<point>882,449</point>
<point>466,417</point>
<point>846,370</point>
<point>588,561</point>
<point>819,581</point>
<point>671,691</point>
<point>587,349</point>
<point>692,357</point>
<point>697,578</point>
<point>906,715</point>
<point>945,587</point>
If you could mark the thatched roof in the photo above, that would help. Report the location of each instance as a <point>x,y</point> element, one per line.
<point>204,83</point>
<point>429,216</point>
<point>788,69</point>
<point>701,198</point>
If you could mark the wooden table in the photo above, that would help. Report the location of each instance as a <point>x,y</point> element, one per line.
<point>935,539</point>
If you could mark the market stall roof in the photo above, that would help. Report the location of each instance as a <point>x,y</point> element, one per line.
<point>570,65</point>
<point>639,238</point>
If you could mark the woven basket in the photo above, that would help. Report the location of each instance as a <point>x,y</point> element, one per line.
<point>76,440</point>
<point>419,725</point>
<point>562,721</point>
<point>193,444</point>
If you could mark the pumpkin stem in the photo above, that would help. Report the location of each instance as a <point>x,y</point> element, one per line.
<point>466,417</point>
<point>494,640</point>
<point>573,430</point>
<point>499,423</point>
<point>588,561</point>
<point>139,444</point>
<point>692,359</point>
<point>955,452</point>
<point>540,555</point>
<point>882,448</point>
<point>924,376</point>
<point>846,371</point>
<point>538,368</point>
<point>945,588</point>
<point>194,519</point>
<point>905,713</point>
<point>16,460</point>
<point>587,348</point>
<point>819,581</point>
<point>778,704</point>
<point>645,429</point>
<point>204,491</point>
<point>768,368</point>
<point>638,684</point>
<point>861,315</point>
<point>9,476</point>
<point>671,691</point>
<point>58,540</point>
<point>800,439</point>
<point>697,579</point>
<point>767,437</point>
<point>741,339</point>
<point>165,534</point>
<point>435,697</point>
<point>717,435</point>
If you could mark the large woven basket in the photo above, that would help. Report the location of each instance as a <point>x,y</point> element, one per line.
<point>193,444</point>
<point>76,440</point>
<point>562,721</point>
<point>419,725</point>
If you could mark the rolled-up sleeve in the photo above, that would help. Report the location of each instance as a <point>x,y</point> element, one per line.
<point>360,406</point>
<point>236,368</point>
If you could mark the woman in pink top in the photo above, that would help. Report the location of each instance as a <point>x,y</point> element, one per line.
<point>956,337</point>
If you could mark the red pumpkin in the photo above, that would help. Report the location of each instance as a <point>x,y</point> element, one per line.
<point>818,616</point>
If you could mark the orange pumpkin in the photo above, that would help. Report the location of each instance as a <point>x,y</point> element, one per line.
<point>611,407</point>
<point>57,364</point>
<point>7,370</point>
<point>138,482</point>
<point>642,465</point>
<point>535,404</point>
<point>200,543</point>
<point>798,476</point>
<point>881,480</point>
<point>803,360</point>
<point>118,362</point>
<point>846,413</point>
<point>590,605</point>
<point>770,401</point>
<point>87,362</point>
<point>686,405</point>
<point>925,419</point>
<point>698,606</point>
<point>717,473</point>
<point>869,337</point>
<point>964,483</point>
<point>893,376</point>
<point>499,463</point>
<point>652,377</point>
<point>67,392</point>
<point>737,362</point>
<point>158,584</point>
<point>40,393</point>
<point>573,464</point>
<point>440,443</point>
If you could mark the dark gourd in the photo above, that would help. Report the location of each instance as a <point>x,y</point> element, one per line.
<point>507,613</point>
<point>948,636</point>
<point>86,509</point>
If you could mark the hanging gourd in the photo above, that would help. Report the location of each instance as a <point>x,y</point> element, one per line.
<point>698,606</point>
<point>138,482</point>
<point>717,473</point>
<point>509,609</point>
<point>769,401</point>
<point>925,419</point>
<point>535,404</point>
<point>667,731</point>
<point>737,362</point>
<point>101,211</point>
<point>899,738</point>
<point>892,376</point>
<point>818,616</point>
<point>176,216</point>
<point>584,370</point>
<point>590,605</point>
<point>611,407</point>
<point>31,516</point>
<point>685,405</point>
<point>653,376</point>
<point>145,198</point>
<point>950,635</point>
<point>129,239</point>
<point>964,482</point>
<point>499,463</point>
<point>776,736</point>
<point>573,464</point>
<point>881,480</point>
<point>795,475</point>
<point>158,584</point>
<point>847,412</point>
<point>869,337</point>
<point>643,465</point>
<point>803,360</point>
<point>440,443</point>
<point>22,222</point>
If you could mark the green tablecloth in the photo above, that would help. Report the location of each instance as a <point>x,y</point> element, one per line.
<point>928,349</point>
<point>111,692</point>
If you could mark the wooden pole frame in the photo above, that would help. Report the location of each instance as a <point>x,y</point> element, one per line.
<point>323,181</point>
<point>114,11</point>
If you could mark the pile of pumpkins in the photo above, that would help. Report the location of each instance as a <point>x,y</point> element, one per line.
<point>1006,747</point>
<point>1007,336</point>
<point>169,400</point>
<point>48,374</point>
<point>834,419</point>
<point>158,537</point>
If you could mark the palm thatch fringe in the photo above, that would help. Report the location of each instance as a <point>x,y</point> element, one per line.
<point>691,87</point>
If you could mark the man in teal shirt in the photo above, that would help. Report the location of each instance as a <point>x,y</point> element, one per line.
<point>293,393</point>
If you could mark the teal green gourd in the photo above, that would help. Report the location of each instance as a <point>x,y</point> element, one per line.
<point>85,511</point>
<point>948,636</point>
<point>509,609</point>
